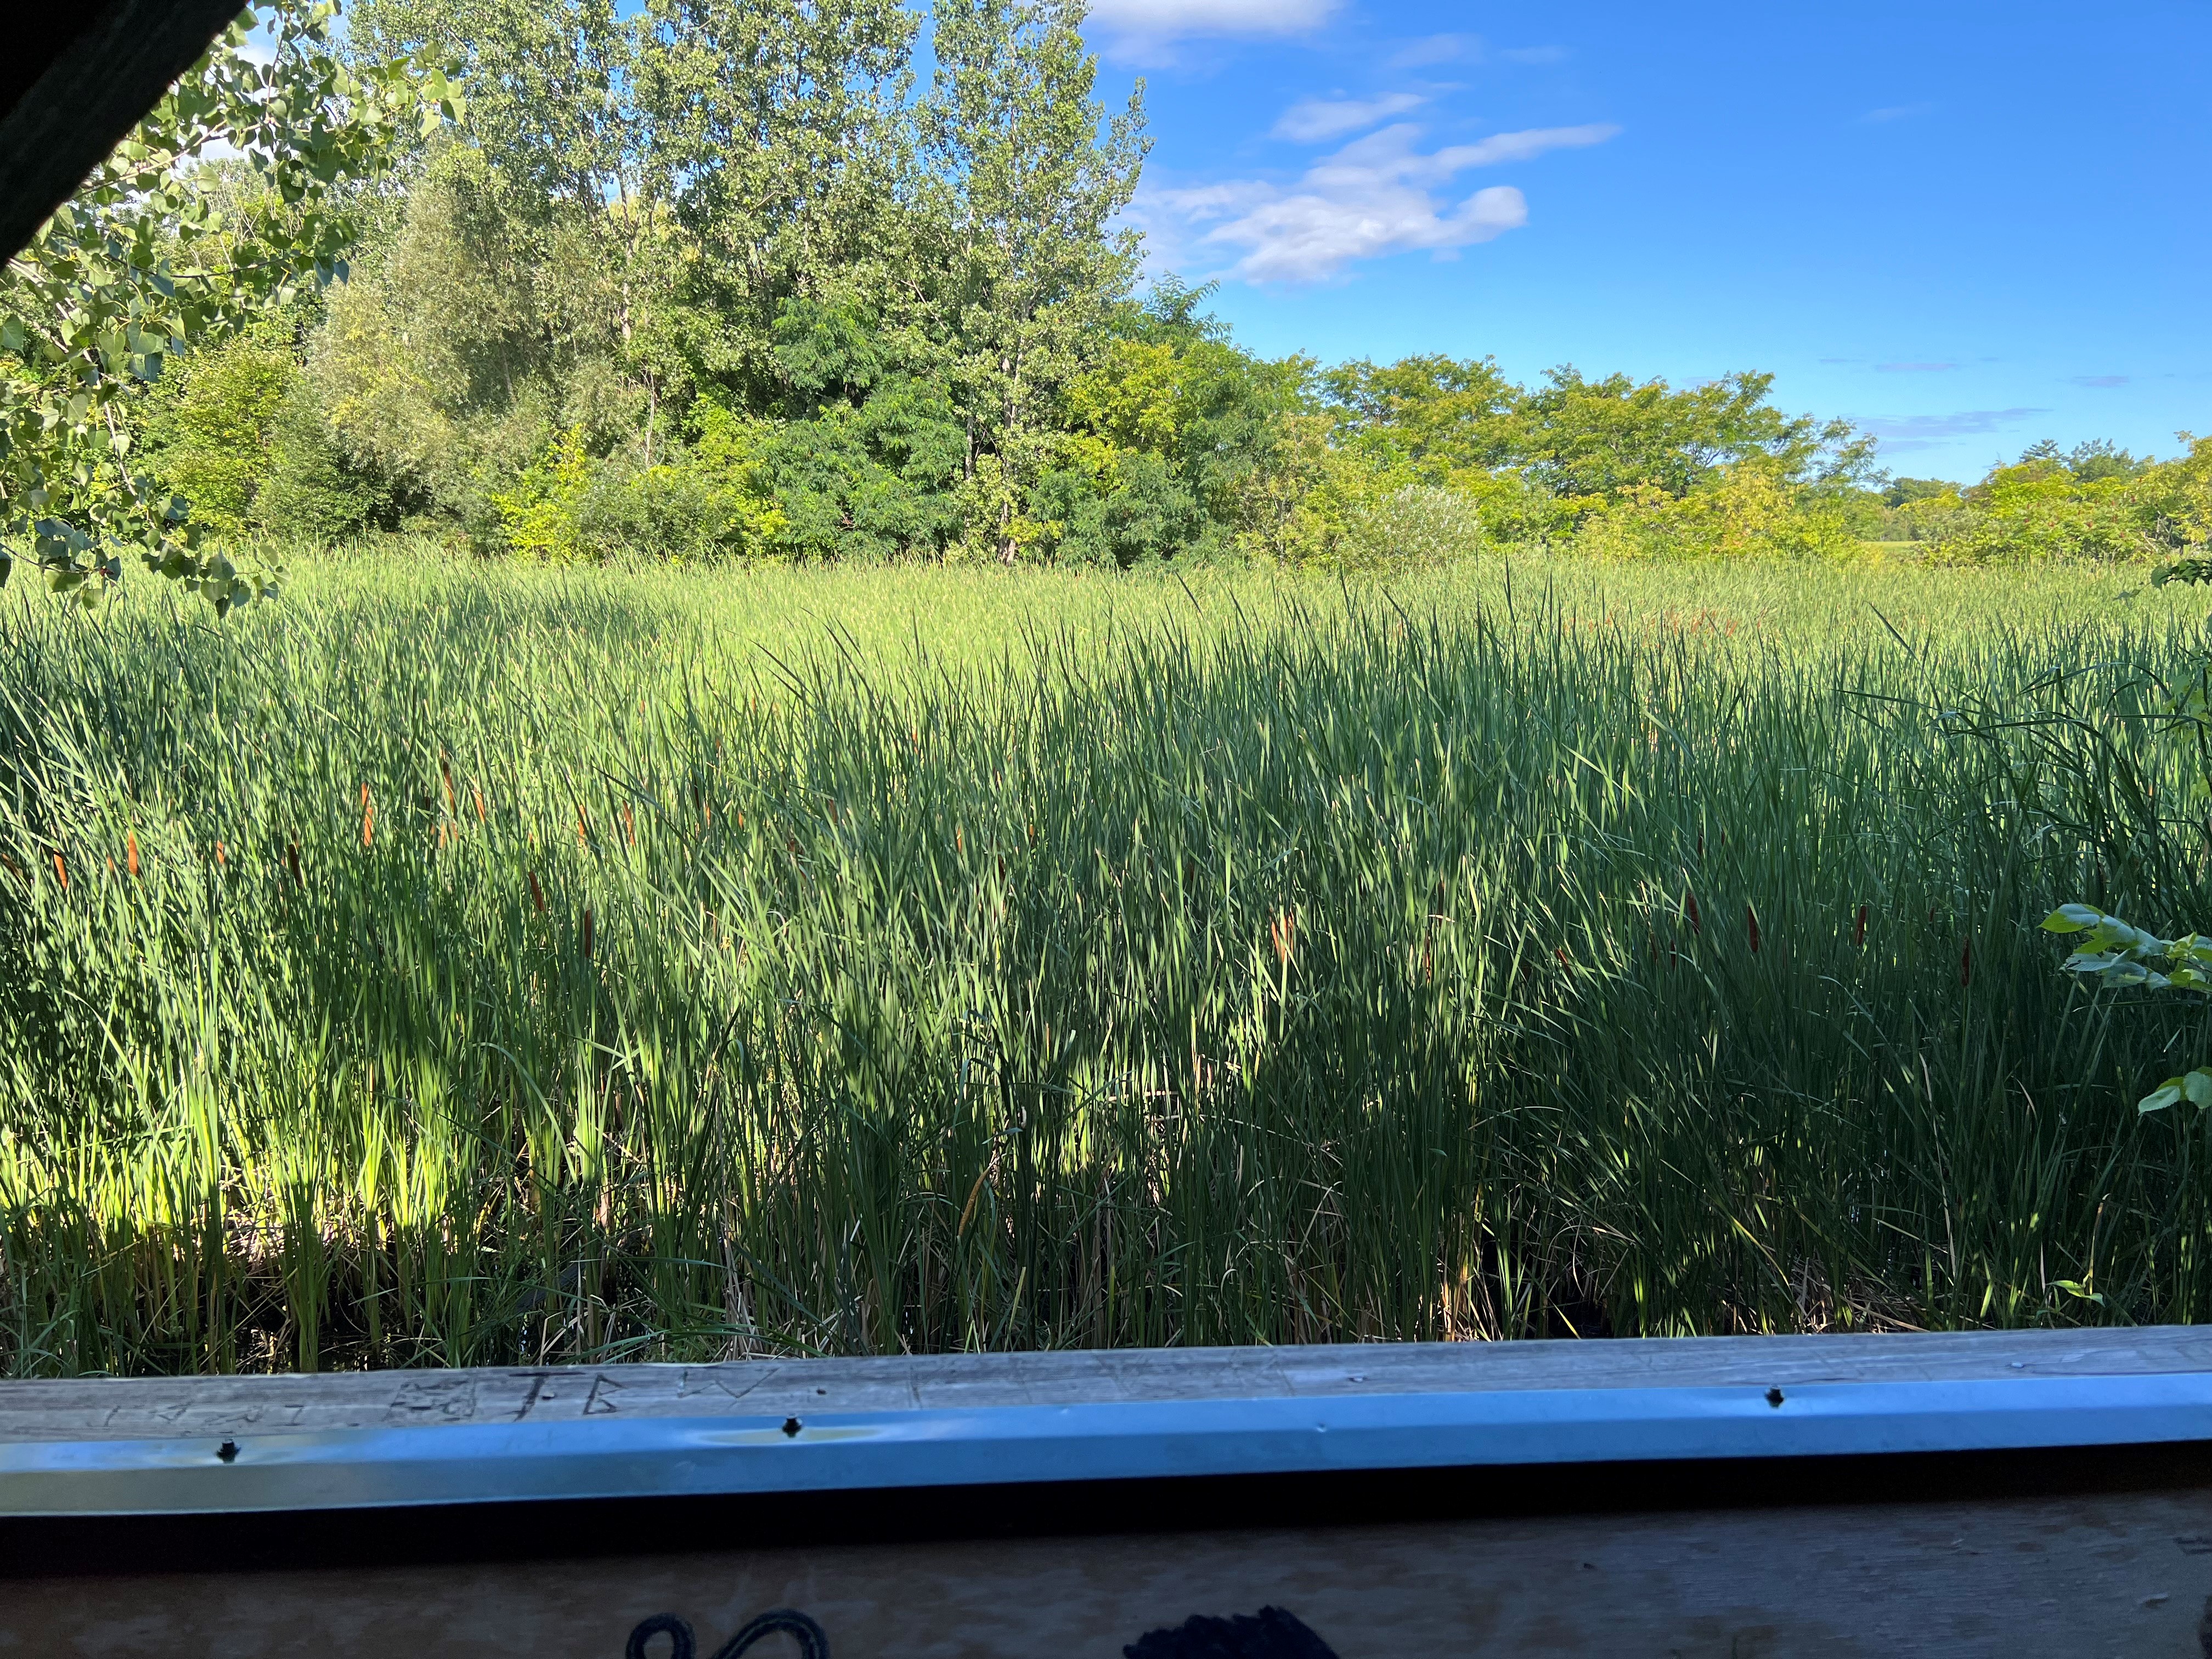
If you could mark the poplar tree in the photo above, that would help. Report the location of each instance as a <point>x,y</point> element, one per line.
<point>1023,180</point>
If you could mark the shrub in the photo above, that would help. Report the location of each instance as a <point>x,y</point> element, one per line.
<point>315,491</point>
<point>1750,510</point>
<point>1418,524</point>
<point>1144,512</point>
<point>569,507</point>
<point>209,437</point>
<point>2041,510</point>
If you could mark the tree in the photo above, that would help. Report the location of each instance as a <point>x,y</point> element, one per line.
<point>1443,415</point>
<point>1175,434</point>
<point>140,266</point>
<point>1595,437</point>
<point>779,131</point>
<point>1023,265</point>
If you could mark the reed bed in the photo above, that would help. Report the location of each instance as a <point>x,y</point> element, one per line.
<point>458,965</point>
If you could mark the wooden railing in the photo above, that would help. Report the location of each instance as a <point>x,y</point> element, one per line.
<point>2033,1492</point>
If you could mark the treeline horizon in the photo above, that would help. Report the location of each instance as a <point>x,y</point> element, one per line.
<point>816,282</point>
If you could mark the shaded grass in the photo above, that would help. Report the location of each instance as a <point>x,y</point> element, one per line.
<point>524,966</point>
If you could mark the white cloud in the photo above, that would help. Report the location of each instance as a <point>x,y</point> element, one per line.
<point>1438,49</point>
<point>1923,431</point>
<point>1155,22</point>
<point>1319,119</point>
<point>1374,197</point>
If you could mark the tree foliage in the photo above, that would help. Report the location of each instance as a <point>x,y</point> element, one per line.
<point>819,279</point>
<point>142,264</point>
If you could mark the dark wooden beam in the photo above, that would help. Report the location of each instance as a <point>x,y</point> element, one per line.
<point>74,80</point>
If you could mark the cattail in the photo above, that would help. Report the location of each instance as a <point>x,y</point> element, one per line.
<point>1967,963</point>
<point>478,791</point>
<point>537,895</point>
<point>1858,933</point>
<point>367,817</point>
<point>588,931</point>
<point>1751,926</point>
<point>61,871</point>
<point>218,854</point>
<point>1560,951</point>
<point>448,772</point>
<point>130,852</point>
<point>1286,935</point>
<point>292,858</point>
<point>1689,910</point>
<point>630,826</point>
<point>583,826</point>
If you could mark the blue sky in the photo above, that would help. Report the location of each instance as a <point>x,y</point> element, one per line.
<point>1965,226</point>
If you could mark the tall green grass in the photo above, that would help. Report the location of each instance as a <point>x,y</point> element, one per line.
<point>459,965</point>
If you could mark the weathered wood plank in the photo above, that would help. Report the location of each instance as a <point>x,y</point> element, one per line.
<point>2120,1575</point>
<point>164,1408</point>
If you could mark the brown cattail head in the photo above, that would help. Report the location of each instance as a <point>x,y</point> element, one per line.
<point>536,894</point>
<point>630,826</point>
<point>588,931</point>
<point>1751,926</point>
<point>1858,933</point>
<point>61,871</point>
<point>130,852</point>
<point>1689,910</point>
<point>448,772</point>
<point>1286,935</point>
<point>478,790</point>
<point>583,825</point>
<point>367,817</point>
<point>1967,963</point>
<point>218,854</point>
<point>292,858</point>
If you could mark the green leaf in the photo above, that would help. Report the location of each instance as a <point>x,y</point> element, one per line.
<point>2160,1098</point>
<point>2072,919</point>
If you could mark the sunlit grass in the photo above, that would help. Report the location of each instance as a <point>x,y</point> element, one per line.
<point>469,964</point>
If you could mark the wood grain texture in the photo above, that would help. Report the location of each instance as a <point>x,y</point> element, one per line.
<point>2127,1575</point>
<point>172,1407</point>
